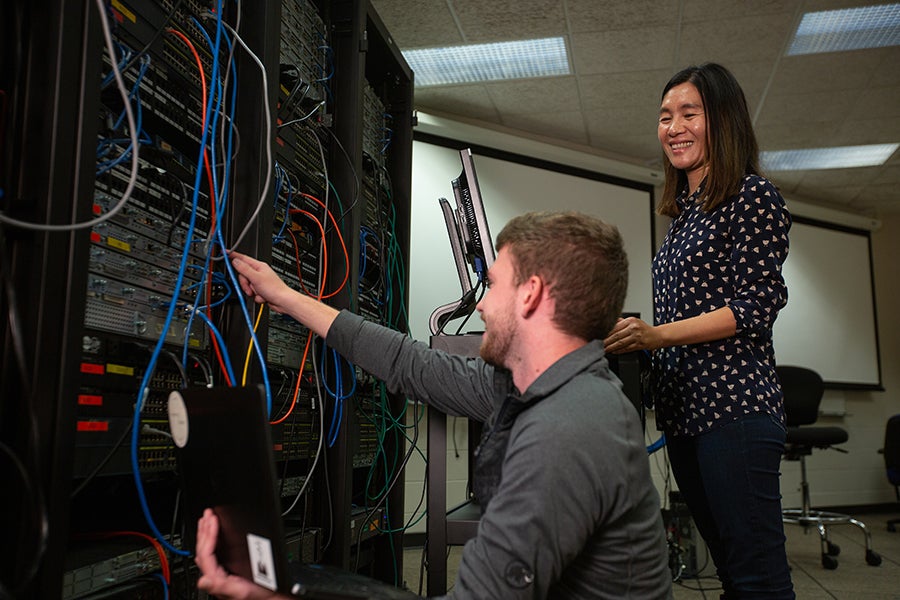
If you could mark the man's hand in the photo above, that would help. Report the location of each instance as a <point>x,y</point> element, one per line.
<point>214,578</point>
<point>257,279</point>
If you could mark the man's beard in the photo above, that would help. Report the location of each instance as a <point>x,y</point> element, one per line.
<point>497,341</point>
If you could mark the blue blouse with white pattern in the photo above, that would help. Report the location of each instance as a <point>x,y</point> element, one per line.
<point>731,256</point>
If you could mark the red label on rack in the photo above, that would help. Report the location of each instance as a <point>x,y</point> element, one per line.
<point>93,369</point>
<point>93,425</point>
<point>90,400</point>
<point>95,237</point>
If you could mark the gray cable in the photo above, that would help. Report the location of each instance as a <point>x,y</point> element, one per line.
<point>132,129</point>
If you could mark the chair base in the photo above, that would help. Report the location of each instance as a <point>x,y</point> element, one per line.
<point>821,520</point>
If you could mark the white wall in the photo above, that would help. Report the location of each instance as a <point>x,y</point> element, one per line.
<point>858,477</point>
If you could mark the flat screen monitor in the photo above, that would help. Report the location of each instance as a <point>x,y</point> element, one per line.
<point>470,242</point>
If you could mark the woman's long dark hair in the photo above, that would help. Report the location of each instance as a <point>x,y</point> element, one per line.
<point>731,147</point>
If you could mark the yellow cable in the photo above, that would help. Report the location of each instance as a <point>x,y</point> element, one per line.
<point>250,346</point>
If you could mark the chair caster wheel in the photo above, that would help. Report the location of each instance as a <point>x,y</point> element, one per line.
<point>829,562</point>
<point>833,549</point>
<point>873,558</point>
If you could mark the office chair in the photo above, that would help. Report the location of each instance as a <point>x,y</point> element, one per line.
<point>892,460</point>
<point>803,390</point>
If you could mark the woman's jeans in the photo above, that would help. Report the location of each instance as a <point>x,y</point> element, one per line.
<point>729,479</point>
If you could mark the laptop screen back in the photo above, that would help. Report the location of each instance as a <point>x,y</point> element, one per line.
<point>226,463</point>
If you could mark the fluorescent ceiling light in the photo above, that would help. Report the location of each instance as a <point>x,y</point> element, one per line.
<point>488,62</point>
<point>847,29</point>
<point>827,158</point>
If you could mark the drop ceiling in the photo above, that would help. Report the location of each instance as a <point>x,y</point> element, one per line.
<point>622,53</point>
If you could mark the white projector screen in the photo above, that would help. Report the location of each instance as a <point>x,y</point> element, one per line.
<point>829,323</point>
<point>511,185</point>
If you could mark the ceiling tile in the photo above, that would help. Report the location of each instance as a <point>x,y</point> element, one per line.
<point>419,23</point>
<point>753,37</point>
<point>840,195</point>
<point>737,10</point>
<point>831,178</point>
<point>509,19</point>
<point>786,181</point>
<point>881,102</point>
<point>884,130</point>
<point>471,101</point>
<point>888,174</point>
<point>605,15</point>
<point>535,95</point>
<point>617,122</point>
<point>825,72</point>
<point>567,126</point>
<point>645,148</point>
<point>888,72</point>
<point>623,50</point>
<point>790,109</point>
<point>612,90</point>
<point>881,196</point>
<point>809,134</point>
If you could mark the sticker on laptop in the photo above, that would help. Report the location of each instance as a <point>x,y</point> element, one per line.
<point>262,561</point>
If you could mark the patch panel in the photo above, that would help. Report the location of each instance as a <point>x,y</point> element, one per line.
<point>131,559</point>
<point>98,439</point>
<point>119,253</point>
<point>375,129</point>
<point>166,103</point>
<point>119,307</point>
<point>151,197</point>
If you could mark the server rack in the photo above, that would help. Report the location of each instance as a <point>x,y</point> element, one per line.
<point>86,306</point>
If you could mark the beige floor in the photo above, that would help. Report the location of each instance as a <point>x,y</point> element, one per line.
<point>852,580</point>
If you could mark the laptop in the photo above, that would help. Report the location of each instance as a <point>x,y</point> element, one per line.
<point>226,463</point>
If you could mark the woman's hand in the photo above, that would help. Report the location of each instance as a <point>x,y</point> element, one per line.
<point>631,334</point>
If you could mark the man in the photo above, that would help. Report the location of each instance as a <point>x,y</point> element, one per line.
<point>562,475</point>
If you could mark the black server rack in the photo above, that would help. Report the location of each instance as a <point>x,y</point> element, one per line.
<point>309,153</point>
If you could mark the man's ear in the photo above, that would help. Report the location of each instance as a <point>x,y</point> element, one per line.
<point>532,293</point>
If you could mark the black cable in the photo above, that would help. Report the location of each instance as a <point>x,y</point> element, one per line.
<point>480,285</point>
<point>465,303</point>
<point>356,178</point>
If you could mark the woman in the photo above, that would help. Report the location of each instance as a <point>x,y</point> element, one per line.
<point>717,290</point>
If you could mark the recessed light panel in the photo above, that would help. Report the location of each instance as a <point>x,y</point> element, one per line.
<point>488,62</point>
<point>827,158</point>
<point>847,29</point>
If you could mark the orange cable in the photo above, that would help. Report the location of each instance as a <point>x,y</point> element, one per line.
<point>343,245</point>
<point>309,336</point>
<point>324,254</point>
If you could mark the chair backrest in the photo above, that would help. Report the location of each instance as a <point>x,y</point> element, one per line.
<point>892,449</point>
<point>803,390</point>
